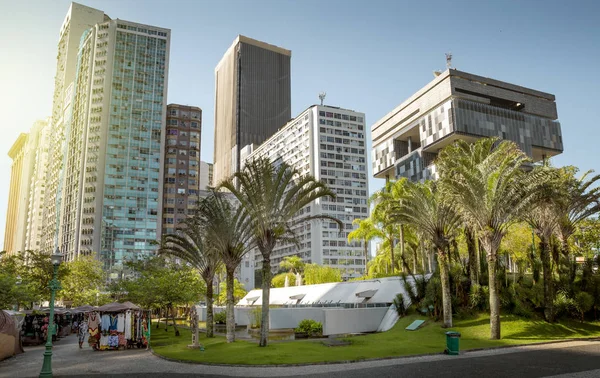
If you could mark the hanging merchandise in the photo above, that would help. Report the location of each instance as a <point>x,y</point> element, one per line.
<point>119,326</point>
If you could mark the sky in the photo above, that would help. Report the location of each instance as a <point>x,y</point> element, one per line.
<point>368,56</point>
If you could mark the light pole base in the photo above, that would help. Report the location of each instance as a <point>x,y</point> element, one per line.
<point>47,366</point>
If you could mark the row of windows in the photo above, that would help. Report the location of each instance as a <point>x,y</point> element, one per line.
<point>345,117</point>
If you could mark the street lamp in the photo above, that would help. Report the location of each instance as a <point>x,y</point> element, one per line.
<point>54,286</point>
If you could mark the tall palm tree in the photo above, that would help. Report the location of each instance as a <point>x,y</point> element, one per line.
<point>384,200</point>
<point>277,199</point>
<point>423,207</point>
<point>188,244</point>
<point>366,232</point>
<point>489,187</point>
<point>579,201</point>
<point>228,230</point>
<point>544,222</point>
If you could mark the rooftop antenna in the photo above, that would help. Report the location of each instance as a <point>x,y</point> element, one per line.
<point>322,97</point>
<point>449,60</point>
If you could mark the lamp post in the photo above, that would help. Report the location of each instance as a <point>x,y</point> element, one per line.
<point>54,286</point>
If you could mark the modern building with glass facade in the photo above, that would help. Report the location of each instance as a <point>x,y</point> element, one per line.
<point>459,105</point>
<point>109,183</point>
<point>182,165</point>
<point>252,99</point>
<point>328,143</point>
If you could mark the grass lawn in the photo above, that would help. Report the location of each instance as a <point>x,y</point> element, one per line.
<point>397,342</point>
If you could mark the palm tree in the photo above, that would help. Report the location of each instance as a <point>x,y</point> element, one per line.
<point>423,207</point>
<point>579,201</point>
<point>189,245</point>
<point>277,200</point>
<point>544,222</point>
<point>293,263</point>
<point>366,232</point>
<point>489,187</point>
<point>228,230</point>
<point>384,200</point>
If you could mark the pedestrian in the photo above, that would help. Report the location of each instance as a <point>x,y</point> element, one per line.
<point>82,332</point>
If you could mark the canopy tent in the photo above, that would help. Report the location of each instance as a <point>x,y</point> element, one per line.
<point>85,308</point>
<point>10,339</point>
<point>117,307</point>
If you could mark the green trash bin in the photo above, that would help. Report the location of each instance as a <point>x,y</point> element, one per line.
<point>452,343</point>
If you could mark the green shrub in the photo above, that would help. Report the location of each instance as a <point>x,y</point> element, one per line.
<point>310,327</point>
<point>563,304</point>
<point>479,298</point>
<point>220,317</point>
<point>583,303</point>
<point>399,304</point>
<point>256,317</point>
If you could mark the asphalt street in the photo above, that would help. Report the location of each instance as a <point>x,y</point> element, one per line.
<point>577,359</point>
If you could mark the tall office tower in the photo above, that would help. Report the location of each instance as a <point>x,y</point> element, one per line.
<point>459,105</point>
<point>109,188</point>
<point>79,18</point>
<point>182,164</point>
<point>23,153</point>
<point>328,143</point>
<point>252,99</point>
<point>37,187</point>
<point>206,175</point>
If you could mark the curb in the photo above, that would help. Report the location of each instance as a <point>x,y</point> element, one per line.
<point>369,359</point>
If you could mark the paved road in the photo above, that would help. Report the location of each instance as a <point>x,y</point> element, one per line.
<point>577,359</point>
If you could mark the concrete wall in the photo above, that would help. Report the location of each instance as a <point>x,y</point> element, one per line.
<point>335,320</point>
<point>290,317</point>
<point>351,320</point>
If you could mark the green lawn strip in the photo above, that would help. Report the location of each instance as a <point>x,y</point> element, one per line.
<point>430,338</point>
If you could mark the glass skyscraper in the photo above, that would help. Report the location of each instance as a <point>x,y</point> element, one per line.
<point>111,178</point>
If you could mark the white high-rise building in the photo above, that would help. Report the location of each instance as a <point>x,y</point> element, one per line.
<point>206,175</point>
<point>328,143</point>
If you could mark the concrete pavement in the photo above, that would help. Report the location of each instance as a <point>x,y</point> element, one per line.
<point>560,360</point>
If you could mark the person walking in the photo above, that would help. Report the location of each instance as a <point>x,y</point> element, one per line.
<point>82,332</point>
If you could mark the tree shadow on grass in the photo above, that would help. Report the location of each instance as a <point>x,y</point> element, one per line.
<point>539,330</point>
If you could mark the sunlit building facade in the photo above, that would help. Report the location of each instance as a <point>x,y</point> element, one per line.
<point>182,165</point>
<point>328,143</point>
<point>79,18</point>
<point>106,195</point>
<point>459,105</point>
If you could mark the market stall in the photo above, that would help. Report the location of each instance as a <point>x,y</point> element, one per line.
<point>10,340</point>
<point>117,326</point>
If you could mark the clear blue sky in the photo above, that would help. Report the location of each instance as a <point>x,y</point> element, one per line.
<point>367,55</point>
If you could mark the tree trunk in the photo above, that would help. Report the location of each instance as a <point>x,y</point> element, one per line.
<point>392,254</point>
<point>402,244</point>
<point>230,324</point>
<point>174,321</point>
<point>494,298</point>
<point>210,323</point>
<point>472,250</point>
<point>366,257</point>
<point>423,257</point>
<point>266,287</point>
<point>548,280</point>
<point>446,296</point>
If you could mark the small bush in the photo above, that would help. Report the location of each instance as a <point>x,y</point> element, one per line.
<point>256,317</point>
<point>399,304</point>
<point>310,327</point>
<point>584,303</point>
<point>220,317</point>
<point>479,297</point>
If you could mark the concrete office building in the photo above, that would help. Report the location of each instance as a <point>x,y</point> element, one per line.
<point>206,175</point>
<point>328,143</point>
<point>108,196</point>
<point>79,18</point>
<point>182,164</point>
<point>460,105</point>
<point>24,154</point>
<point>252,99</point>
